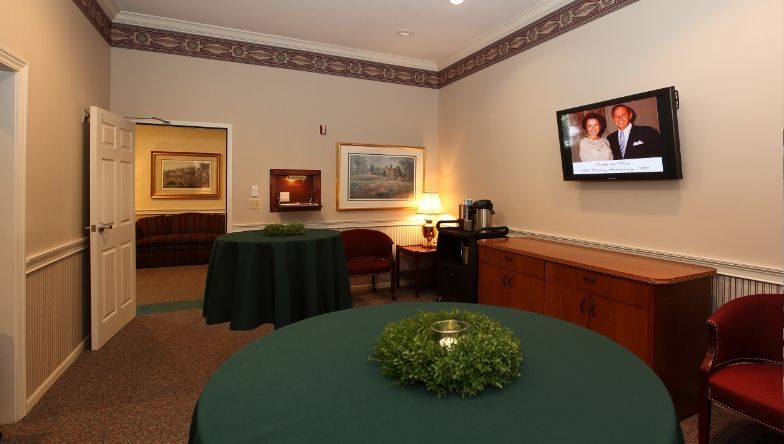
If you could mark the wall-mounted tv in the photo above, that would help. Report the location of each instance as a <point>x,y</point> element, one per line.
<point>628,138</point>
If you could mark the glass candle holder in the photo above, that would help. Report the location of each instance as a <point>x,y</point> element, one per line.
<point>448,331</point>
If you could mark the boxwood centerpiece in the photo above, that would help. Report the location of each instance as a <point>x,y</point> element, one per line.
<point>485,354</point>
<point>278,230</point>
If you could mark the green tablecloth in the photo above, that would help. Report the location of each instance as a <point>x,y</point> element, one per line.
<point>312,382</point>
<point>254,279</point>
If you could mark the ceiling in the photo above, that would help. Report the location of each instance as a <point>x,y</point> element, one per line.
<point>366,29</point>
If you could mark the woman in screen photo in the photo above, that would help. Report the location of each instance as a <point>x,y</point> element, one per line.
<point>594,147</point>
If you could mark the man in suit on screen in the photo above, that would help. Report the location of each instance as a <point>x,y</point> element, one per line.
<point>632,141</point>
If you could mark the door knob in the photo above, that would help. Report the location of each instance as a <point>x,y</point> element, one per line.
<point>100,227</point>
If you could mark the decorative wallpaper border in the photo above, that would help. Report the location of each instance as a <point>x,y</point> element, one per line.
<point>97,17</point>
<point>559,22</point>
<point>147,39</point>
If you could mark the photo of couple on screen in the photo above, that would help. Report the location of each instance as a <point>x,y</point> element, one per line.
<point>617,138</point>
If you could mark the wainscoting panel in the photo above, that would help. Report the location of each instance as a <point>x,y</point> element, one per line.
<point>57,317</point>
<point>727,288</point>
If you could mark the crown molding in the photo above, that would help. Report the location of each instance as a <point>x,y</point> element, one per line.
<point>571,16</point>
<point>150,33</point>
<point>535,13</point>
<point>110,8</point>
<point>165,24</point>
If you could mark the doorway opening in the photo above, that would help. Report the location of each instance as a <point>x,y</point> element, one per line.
<point>13,143</point>
<point>181,200</point>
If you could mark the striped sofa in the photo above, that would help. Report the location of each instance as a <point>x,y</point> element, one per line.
<point>177,239</point>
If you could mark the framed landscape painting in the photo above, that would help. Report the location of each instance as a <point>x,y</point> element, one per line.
<point>375,177</point>
<point>180,175</point>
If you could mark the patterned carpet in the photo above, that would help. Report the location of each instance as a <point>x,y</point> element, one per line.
<point>143,384</point>
<point>170,284</point>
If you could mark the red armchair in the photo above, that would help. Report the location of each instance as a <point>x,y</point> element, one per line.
<point>742,370</point>
<point>369,252</point>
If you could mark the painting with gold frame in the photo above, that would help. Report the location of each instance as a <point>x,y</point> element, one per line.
<point>379,177</point>
<point>183,175</point>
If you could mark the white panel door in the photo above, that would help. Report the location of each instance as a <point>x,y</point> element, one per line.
<point>112,229</point>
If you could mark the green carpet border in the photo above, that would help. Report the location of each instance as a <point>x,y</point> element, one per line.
<point>168,306</point>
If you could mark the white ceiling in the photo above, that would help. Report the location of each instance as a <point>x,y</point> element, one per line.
<point>366,29</point>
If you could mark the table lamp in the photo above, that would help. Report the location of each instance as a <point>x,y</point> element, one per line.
<point>429,206</point>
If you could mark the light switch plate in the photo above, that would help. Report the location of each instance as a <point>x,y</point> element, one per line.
<point>254,203</point>
<point>254,191</point>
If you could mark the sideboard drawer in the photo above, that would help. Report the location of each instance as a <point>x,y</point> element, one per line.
<point>513,262</point>
<point>612,287</point>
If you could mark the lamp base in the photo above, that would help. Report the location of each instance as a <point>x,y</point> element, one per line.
<point>429,232</point>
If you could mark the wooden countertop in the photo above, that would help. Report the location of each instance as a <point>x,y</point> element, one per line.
<point>630,266</point>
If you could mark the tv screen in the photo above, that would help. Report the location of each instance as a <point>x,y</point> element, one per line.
<point>628,138</point>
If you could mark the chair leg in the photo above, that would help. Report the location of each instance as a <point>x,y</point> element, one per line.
<point>392,283</point>
<point>704,420</point>
<point>373,280</point>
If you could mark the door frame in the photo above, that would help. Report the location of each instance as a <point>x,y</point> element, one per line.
<point>187,123</point>
<point>12,410</point>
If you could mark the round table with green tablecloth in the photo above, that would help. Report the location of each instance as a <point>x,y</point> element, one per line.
<point>254,279</point>
<point>313,382</point>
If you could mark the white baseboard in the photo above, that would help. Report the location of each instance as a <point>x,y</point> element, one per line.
<point>49,381</point>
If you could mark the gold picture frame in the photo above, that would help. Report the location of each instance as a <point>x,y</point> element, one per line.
<point>184,175</point>
<point>379,177</point>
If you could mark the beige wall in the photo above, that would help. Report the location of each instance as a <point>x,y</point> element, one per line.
<point>151,138</point>
<point>69,70</point>
<point>275,116</point>
<point>499,139</point>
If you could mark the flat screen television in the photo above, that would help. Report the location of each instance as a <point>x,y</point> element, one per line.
<point>628,138</point>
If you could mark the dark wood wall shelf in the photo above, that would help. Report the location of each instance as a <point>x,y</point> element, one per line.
<point>303,188</point>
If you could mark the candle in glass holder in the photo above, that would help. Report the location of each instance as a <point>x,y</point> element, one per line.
<point>447,342</point>
<point>447,332</point>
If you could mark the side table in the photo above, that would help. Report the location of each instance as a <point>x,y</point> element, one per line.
<point>417,252</point>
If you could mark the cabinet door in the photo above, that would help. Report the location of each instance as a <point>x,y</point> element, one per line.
<point>566,303</point>
<point>455,281</point>
<point>492,286</point>
<point>525,292</point>
<point>625,324</point>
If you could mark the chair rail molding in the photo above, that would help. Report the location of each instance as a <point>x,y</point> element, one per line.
<point>336,225</point>
<point>56,254</point>
<point>752,272</point>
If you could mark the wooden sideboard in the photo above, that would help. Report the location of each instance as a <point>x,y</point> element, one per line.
<point>655,308</point>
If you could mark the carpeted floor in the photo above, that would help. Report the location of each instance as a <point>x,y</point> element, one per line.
<point>170,284</point>
<point>140,387</point>
<point>143,384</point>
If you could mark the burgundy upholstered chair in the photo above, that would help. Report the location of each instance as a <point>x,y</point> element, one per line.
<point>369,252</point>
<point>742,370</point>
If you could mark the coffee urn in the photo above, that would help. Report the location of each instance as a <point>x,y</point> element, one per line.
<point>483,214</point>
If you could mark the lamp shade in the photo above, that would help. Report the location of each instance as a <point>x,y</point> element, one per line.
<point>430,204</point>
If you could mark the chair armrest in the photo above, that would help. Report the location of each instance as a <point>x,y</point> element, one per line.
<point>742,330</point>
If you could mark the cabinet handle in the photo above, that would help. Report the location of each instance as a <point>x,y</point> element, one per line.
<point>503,280</point>
<point>508,259</point>
<point>582,305</point>
<point>593,310</point>
<point>511,282</point>
<point>589,278</point>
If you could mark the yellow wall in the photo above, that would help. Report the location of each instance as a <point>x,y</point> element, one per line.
<point>176,139</point>
<point>499,139</point>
